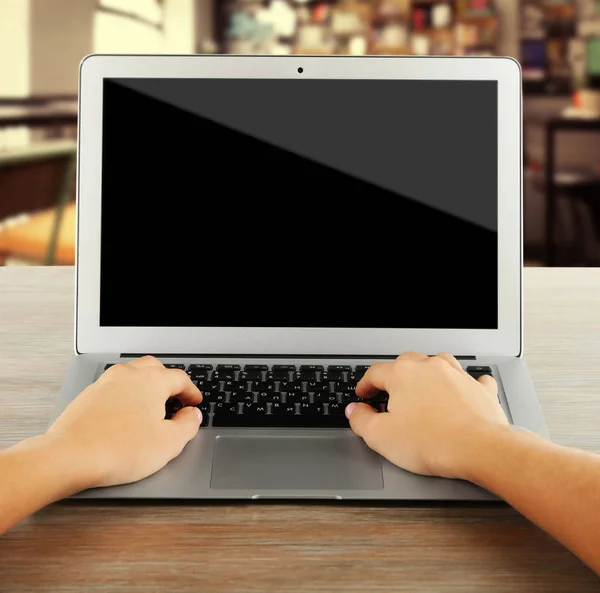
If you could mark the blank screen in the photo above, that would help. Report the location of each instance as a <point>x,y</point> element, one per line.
<point>299,203</point>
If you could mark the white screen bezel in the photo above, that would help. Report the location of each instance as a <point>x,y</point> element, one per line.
<point>504,341</point>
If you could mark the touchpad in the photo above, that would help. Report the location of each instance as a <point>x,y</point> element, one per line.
<point>295,463</point>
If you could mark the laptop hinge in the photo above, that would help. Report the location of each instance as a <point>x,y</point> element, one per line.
<point>158,355</point>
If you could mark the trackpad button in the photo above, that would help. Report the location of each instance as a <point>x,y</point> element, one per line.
<point>295,463</point>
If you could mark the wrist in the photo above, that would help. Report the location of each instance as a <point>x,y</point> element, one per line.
<point>488,446</point>
<point>72,471</point>
<point>495,450</point>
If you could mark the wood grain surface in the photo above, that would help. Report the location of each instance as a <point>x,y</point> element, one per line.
<point>287,547</point>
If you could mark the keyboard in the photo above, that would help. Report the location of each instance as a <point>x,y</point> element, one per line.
<point>279,396</point>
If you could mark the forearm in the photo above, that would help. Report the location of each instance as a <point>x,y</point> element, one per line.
<point>35,473</point>
<point>555,487</point>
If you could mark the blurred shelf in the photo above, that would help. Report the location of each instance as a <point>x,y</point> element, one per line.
<point>419,12</point>
<point>433,30</point>
<point>475,19</point>
<point>300,51</point>
<point>391,51</point>
<point>38,100</point>
<point>383,21</point>
<point>56,148</point>
<point>38,116</point>
<point>568,179</point>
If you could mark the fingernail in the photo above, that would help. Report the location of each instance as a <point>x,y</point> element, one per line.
<point>350,409</point>
<point>198,411</point>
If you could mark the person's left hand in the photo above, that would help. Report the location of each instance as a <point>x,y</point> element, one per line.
<point>116,431</point>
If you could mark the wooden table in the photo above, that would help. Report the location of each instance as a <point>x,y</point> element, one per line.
<point>292,547</point>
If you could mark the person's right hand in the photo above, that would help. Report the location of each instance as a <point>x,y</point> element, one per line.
<point>436,413</point>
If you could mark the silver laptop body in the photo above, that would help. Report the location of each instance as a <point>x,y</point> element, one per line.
<point>298,212</point>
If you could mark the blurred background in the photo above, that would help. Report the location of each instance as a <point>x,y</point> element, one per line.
<point>556,41</point>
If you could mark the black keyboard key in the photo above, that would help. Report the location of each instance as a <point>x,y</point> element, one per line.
<point>174,366</point>
<point>222,375</point>
<point>172,406</point>
<point>345,387</point>
<point>263,386</point>
<point>241,396</point>
<point>197,375</point>
<point>207,385</point>
<point>348,398</point>
<point>280,421</point>
<point>228,367</point>
<point>251,376</point>
<point>218,396</point>
<point>290,386</point>
<point>328,376</point>
<point>225,408</point>
<point>254,409</point>
<point>204,407</point>
<point>278,376</point>
<point>231,385</point>
<point>214,396</point>
<point>311,409</point>
<point>336,408</point>
<point>326,397</point>
<point>269,396</point>
<point>479,370</point>
<point>308,372</point>
<point>362,368</point>
<point>284,367</point>
<point>342,368</point>
<point>306,376</point>
<point>200,367</point>
<point>253,372</point>
<point>199,371</point>
<point>225,372</point>
<point>297,398</point>
<point>316,386</point>
<point>283,409</point>
<point>379,401</point>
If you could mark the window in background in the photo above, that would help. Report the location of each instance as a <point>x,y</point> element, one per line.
<point>121,26</point>
<point>149,10</point>
<point>593,62</point>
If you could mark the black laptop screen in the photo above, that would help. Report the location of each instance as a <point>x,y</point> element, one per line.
<point>299,203</point>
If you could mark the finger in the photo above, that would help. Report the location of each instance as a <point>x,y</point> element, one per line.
<point>146,361</point>
<point>366,423</point>
<point>451,360</point>
<point>182,428</point>
<point>177,382</point>
<point>490,383</point>
<point>374,380</point>
<point>413,356</point>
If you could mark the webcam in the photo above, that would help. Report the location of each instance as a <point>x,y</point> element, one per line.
<point>300,70</point>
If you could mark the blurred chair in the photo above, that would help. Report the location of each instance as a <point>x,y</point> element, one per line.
<point>587,208</point>
<point>37,219</point>
<point>577,226</point>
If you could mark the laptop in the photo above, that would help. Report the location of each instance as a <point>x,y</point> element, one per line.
<point>274,225</point>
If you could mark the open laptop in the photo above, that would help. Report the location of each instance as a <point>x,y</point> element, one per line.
<point>274,225</point>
